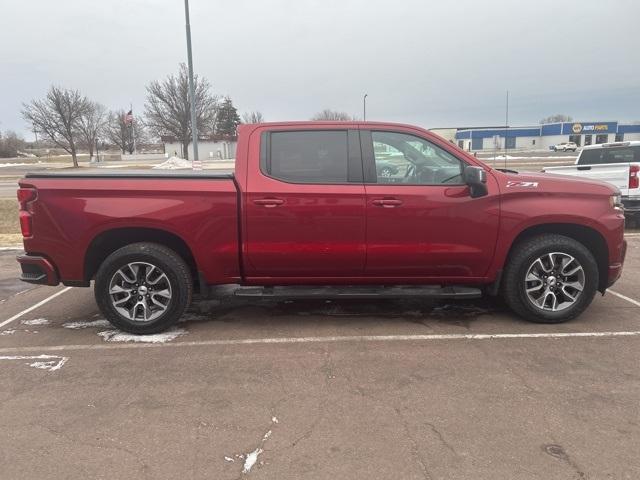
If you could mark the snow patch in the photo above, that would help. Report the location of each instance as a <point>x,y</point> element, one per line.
<point>102,323</point>
<point>50,363</point>
<point>534,159</point>
<point>5,165</point>
<point>118,336</point>
<point>36,321</point>
<point>7,332</point>
<point>251,460</point>
<point>174,163</point>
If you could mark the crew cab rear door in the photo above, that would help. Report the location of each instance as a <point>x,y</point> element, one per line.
<point>304,210</point>
<point>421,219</point>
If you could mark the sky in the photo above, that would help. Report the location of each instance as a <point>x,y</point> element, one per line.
<point>429,63</point>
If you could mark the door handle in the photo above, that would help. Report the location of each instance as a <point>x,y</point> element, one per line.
<point>584,168</point>
<point>269,202</point>
<point>387,202</point>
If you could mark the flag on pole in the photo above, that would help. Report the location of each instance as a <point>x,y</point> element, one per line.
<point>128,118</point>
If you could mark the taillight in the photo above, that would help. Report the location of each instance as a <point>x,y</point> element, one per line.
<point>634,180</point>
<point>26,224</point>
<point>25,196</point>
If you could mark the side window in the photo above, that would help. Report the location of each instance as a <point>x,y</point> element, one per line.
<point>609,155</point>
<point>620,155</point>
<point>591,156</point>
<point>308,156</point>
<point>407,159</point>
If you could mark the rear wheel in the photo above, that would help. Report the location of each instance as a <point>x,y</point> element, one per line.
<point>143,288</point>
<point>550,279</point>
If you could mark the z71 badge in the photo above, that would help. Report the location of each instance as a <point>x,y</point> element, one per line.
<point>522,184</point>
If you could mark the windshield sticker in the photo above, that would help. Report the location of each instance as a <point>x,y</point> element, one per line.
<point>522,184</point>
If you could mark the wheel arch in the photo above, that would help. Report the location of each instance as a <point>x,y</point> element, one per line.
<point>589,237</point>
<point>107,242</point>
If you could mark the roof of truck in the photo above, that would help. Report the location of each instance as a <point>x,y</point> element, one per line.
<point>630,143</point>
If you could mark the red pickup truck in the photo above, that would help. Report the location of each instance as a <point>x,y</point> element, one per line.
<point>328,209</point>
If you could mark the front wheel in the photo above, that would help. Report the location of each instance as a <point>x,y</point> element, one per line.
<point>550,279</point>
<point>143,288</point>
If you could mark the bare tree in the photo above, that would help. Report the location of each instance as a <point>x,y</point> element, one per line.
<point>92,124</point>
<point>119,131</point>
<point>167,108</point>
<point>328,114</point>
<point>58,117</point>
<point>10,144</point>
<point>252,117</point>
<point>558,117</point>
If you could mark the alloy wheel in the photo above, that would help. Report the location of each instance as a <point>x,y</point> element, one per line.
<point>554,281</point>
<point>140,291</point>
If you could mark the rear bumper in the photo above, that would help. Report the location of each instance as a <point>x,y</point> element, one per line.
<point>38,270</point>
<point>631,205</point>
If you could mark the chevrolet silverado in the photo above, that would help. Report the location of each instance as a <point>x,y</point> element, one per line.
<point>313,209</point>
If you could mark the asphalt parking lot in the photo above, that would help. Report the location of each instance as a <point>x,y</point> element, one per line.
<point>391,389</point>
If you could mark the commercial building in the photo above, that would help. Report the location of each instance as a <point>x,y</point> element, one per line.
<point>543,136</point>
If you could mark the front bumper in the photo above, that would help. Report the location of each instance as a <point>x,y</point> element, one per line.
<point>38,270</point>
<point>615,270</point>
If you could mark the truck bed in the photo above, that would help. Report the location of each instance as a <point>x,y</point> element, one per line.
<point>615,174</point>
<point>80,208</point>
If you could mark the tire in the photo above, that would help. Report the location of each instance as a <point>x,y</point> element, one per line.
<point>520,267</point>
<point>157,269</point>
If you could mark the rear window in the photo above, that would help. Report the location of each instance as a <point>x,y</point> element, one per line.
<point>309,157</point>
<point>597,156</point>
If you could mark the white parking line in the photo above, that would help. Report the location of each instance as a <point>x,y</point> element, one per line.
<point>33,307</point>
<point>328,339</point>
<point>624,297</point>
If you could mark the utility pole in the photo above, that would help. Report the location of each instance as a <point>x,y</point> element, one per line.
<point>194,126</point>
<point>364,107</point>
<point>506,130</point>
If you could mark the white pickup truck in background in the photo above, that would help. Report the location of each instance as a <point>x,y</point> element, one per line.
<point>616,163</point>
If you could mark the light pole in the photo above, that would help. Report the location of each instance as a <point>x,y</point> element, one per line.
<point>506,130</point>
<point>194,126</point>
<point>364,107</point>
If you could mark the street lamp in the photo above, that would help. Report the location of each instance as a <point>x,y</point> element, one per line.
<point>364,107</point>
<point>194,126</point>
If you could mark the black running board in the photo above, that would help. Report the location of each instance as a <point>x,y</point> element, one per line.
<point>359,292</point>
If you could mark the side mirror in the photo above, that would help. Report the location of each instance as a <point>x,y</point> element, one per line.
<point>476,178</point>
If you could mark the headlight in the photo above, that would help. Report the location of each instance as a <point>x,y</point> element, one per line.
<point>616,201</point>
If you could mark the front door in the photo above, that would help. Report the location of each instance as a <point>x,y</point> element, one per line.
<point>305,209</point>
<point>421,220</point>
